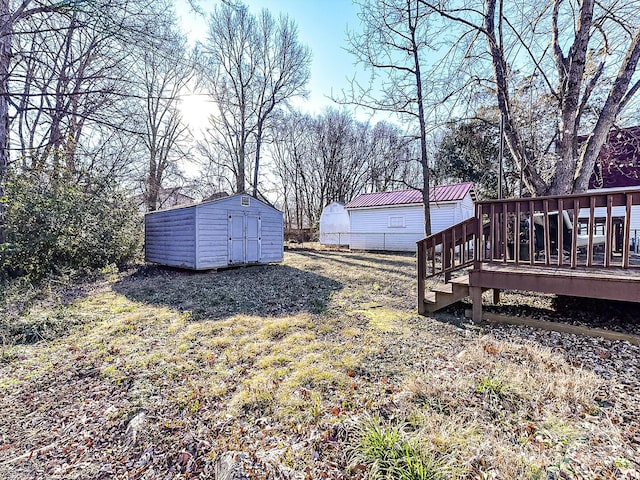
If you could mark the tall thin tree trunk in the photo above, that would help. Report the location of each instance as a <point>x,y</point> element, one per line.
<point>5,56</point>
<point>424,159</point>
<point>153,185</point>
<point>240,186</point>
<point>257,162</point>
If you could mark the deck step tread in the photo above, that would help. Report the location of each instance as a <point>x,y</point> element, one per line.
<point>461,280</point>
<point>430,298</point>
<point>442,288</point>
<point>435,301</point>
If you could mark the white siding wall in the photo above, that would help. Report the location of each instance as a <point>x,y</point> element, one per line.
<point>467,208</point>
<point>635,228</point>
<point>601,212</point>
<point>272,237</point>
<point>618,212</point>
<point>371,230</point>
<point>170,237</point>
<point>443,216</point>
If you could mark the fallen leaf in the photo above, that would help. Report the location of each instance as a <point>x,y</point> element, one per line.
<point>491,349</point>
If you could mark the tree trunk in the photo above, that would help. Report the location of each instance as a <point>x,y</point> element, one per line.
<point>608,115</point>
<point>257,162</point>
<point>240,186</point>
<point>531,179</point>
<point>571,73</point>
<point>5,57</point>
<point>424,159</point>
<point>153,185</point>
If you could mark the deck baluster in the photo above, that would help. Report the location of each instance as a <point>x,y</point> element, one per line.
<point>516,234</point>
<point>492,234</point>
<point>626,241</point>
<point>574,234</point>
<point>532,236</point>
<point>608,247</point>
<point>422,275</point>
<point>505,233</point>
<point>560,236</point>
<point>592,227</point>
<point>547,234</point>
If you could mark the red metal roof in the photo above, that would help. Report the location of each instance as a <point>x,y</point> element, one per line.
<point>441,193</point>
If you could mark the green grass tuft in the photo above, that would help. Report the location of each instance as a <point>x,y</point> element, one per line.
<point>388,454</point>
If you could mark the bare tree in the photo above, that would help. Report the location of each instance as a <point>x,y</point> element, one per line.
<point>255,66</point>
<point>333,157</point>
<point>290,151</point>
<point>8,20</point>
<point>392,46</point>
<point>584,52</point>
<point>283,72</point>
<point>65,82</point>
<point>390,159</point>
<point>165,74</point>
<point>68,75</point>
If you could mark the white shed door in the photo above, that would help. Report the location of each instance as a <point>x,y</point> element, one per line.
<point>236,239</point>
<point>244,238</point>
<point>252,239</point>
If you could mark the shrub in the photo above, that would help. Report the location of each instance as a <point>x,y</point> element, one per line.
<point>56,225</point>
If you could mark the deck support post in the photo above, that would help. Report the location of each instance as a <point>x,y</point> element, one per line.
<point>496,296</point>
<point>476,300</point>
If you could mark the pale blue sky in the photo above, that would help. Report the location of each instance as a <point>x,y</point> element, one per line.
<point>322,26</point>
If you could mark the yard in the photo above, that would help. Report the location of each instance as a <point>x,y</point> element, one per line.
<point>315,368</point>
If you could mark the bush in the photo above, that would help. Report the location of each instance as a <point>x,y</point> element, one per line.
<point>56,226</point>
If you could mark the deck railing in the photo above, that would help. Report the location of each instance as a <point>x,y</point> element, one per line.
<point>590,230</point>
<point>445,252</point>
<point>585,230</point>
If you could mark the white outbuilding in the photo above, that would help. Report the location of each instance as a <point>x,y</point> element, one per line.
<point>394,221</point>
<point>334,225</point>
<point>235,230</point>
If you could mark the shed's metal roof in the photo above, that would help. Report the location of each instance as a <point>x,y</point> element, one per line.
<point>441,193</point>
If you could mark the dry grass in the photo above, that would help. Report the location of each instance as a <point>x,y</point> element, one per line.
<point>289,363</point>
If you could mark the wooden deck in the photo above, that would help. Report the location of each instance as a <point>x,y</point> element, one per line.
<point>574,245</point>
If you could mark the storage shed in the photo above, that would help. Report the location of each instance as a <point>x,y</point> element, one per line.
<point>334,225</point>
<point>235,230</point>
<point>394,221</point>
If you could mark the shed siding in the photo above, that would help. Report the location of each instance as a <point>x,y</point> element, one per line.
<point>213,242</point>
<point>443,216</point>
<point>371,227</point>
<point>170,237</point>
<point>213,236</point>
<point>467,208</point>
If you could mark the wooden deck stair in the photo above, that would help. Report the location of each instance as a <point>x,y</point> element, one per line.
<point>442,295</point>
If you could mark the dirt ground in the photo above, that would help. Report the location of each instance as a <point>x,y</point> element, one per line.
<point>159,373</point>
